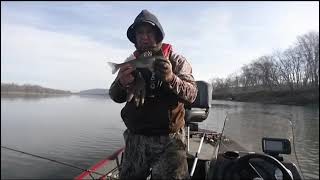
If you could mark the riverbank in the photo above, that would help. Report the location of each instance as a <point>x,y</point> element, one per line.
<point>33,93</point>
<point>285,97</point>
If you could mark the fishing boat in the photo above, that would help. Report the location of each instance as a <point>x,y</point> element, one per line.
<point>223,155</point>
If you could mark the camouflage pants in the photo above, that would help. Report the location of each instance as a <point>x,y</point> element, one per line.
<point>164,155</point>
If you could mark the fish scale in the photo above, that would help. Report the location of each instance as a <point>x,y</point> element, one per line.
<point>137,90</point>
<point>142,62</point>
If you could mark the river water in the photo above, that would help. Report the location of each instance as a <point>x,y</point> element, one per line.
<point>82,130</point>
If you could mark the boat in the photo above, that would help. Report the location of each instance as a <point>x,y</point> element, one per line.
<point>222,155</point>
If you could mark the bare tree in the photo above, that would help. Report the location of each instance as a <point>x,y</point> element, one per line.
<point>308,48</point>
<point>294,69</point>
<point>266,72</point>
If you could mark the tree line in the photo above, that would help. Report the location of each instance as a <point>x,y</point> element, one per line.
<point>28,88</point>
<point>294,69</point>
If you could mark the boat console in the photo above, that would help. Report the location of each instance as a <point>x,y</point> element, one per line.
<point>250,165</point>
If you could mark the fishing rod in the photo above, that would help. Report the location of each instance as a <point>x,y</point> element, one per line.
<point>222,131</point>
<point>293,143</point>
<point>59,162</point>
<point>196,156</point>
<point>199,148</point>
<point>197,153</point>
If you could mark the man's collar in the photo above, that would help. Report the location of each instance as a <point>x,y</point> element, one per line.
<point>153,49</point>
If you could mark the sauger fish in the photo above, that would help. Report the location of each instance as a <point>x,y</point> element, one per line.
<point>137,90</point>
<point>144,62</point>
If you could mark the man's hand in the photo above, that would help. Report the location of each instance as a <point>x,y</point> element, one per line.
<point>125,75</point>
<point>163,69</point>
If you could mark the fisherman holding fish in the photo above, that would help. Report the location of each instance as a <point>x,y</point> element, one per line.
<point>156,83</point>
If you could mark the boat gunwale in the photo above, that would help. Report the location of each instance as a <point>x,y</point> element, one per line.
<point>99,164</point>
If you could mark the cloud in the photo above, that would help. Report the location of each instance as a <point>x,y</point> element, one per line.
<point>67,46</point>
<point>209,41</point>
<point>220,39</point>
<point>55,59</point>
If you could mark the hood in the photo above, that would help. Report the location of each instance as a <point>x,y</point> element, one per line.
<point>146,17</point>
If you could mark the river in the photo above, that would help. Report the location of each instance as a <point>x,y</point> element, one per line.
<point>81,130</point>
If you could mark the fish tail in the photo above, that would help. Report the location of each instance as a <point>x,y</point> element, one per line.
<point>114,67</point>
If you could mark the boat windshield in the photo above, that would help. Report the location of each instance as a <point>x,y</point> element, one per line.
<point>245,126</point>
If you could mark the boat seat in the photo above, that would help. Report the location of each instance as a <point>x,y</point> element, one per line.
<point>198,111</point>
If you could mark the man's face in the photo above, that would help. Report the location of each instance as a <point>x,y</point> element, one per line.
<point>145,36</point>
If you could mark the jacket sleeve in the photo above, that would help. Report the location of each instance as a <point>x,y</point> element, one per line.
<point>183,83</point>
<point>116,92</point>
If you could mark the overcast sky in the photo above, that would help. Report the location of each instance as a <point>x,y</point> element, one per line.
<point>66,45</point>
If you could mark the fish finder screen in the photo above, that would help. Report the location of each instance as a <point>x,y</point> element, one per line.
<point>273,145</point>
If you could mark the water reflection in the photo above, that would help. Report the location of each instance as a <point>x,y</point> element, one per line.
<point>249,122</point>
<point>32,97</point>
<point>84,129</point>
<point>72,129</point>
<point>93,96</point>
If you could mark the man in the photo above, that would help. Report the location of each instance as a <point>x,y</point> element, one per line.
<point>155,137</point>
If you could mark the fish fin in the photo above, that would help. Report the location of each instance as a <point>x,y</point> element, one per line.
<point>143,94</point>
<point>137,101</point>
<point>114,67</point>
<point>129,96</point>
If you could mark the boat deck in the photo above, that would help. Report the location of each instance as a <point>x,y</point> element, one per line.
<point>108,169</point>
<point>207,149</point>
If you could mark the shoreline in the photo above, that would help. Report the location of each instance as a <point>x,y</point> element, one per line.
<point>285,97</point>
<point>32,93</point>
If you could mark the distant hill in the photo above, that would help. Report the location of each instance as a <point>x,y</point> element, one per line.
<point>9,88</point>
<point>94,92</point>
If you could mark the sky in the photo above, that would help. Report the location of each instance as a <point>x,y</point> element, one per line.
<point>66,45</point>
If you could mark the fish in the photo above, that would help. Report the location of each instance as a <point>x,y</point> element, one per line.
<point>137,90</point>
<point>143,62</point>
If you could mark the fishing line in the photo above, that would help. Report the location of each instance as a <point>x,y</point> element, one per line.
<point>293,143</point>
<point>66,164</point>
